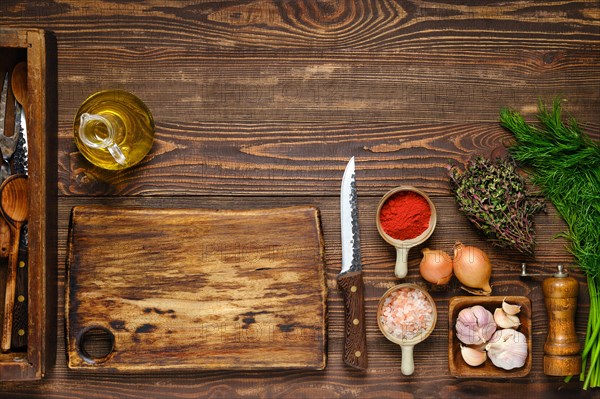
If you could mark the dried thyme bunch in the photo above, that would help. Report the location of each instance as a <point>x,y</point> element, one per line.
<point>492,196</point>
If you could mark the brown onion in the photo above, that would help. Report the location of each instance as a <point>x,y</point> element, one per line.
<point>436,266</point>
<point>473,269</point>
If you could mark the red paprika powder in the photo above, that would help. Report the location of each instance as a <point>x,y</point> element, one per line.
<point>405,215</point>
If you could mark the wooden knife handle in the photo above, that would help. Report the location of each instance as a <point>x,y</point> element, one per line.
<point>355,337</point>
<point>19,330</point>
<point>11,283</point>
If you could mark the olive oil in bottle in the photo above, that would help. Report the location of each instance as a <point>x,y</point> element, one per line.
<point>114,129</point>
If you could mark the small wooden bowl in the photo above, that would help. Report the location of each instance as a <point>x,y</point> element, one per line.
<point>403,246</point>
<point>457,365</point>
<point>408,366</point>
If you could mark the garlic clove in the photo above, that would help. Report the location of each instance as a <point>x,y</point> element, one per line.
<point>504,320</point>
<point>485,322</point>
<point>472,357</point>
<point>509,308</point>
<point>507,349</point>
<point>475,325</point>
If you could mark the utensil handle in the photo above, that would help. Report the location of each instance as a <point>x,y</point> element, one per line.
<point>4,238</point>
<point>19,330</point>
<point>408,363</point>
<point>401,269</point>
<point>11,281</point>
<point>355,337</point>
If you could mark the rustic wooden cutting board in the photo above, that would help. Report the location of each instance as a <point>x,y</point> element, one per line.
<point>196,289</point>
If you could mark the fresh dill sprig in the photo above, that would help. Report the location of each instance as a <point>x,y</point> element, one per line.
<point>566,166</point>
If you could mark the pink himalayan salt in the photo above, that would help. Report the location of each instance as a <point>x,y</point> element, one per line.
<point>407,313</point>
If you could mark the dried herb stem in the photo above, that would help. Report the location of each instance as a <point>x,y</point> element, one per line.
<point>493,197</point>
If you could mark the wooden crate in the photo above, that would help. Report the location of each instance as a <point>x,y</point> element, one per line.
<point>38,49</point>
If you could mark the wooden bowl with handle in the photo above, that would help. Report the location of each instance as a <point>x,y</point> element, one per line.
<point>406,345</point>
<point>403,246</point>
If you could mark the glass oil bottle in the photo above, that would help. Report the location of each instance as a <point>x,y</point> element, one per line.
<point>114,129</point>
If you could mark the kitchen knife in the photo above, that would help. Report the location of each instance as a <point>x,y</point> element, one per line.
<point>21,155</point>
<point>20,319</point>
<point>350,280</point>
<point>4,227</point>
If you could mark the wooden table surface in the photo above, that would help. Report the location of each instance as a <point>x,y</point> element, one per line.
<point>260,103</point>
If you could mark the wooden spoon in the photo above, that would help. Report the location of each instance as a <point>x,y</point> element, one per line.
<point>4,238</point>
<point>19,83</point>
<point>14,202</point>
<point>20,320</point>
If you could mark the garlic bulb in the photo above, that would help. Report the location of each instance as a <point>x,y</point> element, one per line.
<point>475,325</point>
<point>507,349</point>
<point>510,309</point>
<point>471,356</point>
<point>504,320</point>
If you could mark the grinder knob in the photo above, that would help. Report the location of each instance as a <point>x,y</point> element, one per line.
<point>561,350</point>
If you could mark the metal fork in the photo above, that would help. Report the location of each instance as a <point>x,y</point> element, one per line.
<point>8,144</point>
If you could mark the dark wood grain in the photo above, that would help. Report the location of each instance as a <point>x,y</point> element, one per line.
<point>382,26</point>
<point>283,159</point>
<point>355,338</point>
<point>332,86</point>
<point>260,103</point>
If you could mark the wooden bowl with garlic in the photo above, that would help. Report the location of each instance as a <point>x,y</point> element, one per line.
<point>489,337</point>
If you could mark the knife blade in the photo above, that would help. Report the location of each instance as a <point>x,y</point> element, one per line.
<point>21,154</point>
<point>3,95</point>
<point>4,227</point>
<point>350,279</point>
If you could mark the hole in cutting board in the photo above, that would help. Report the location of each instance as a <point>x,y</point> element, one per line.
<point>95,344</point>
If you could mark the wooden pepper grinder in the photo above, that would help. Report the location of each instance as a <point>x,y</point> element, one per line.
<point>561,350</point>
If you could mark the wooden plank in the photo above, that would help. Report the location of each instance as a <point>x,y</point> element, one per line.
<point>197,289</point>
<point>314,25</point>
<point>378,256</point>
<point>190,158</point>
<point>189,85</point>
<point>13,39</point>
<point>42,126</point>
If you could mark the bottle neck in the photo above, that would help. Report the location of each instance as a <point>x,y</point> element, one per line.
<point>99,132</point>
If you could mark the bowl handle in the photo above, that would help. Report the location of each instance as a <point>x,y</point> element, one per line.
<point>408,365</point>
<point>401,261</point>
